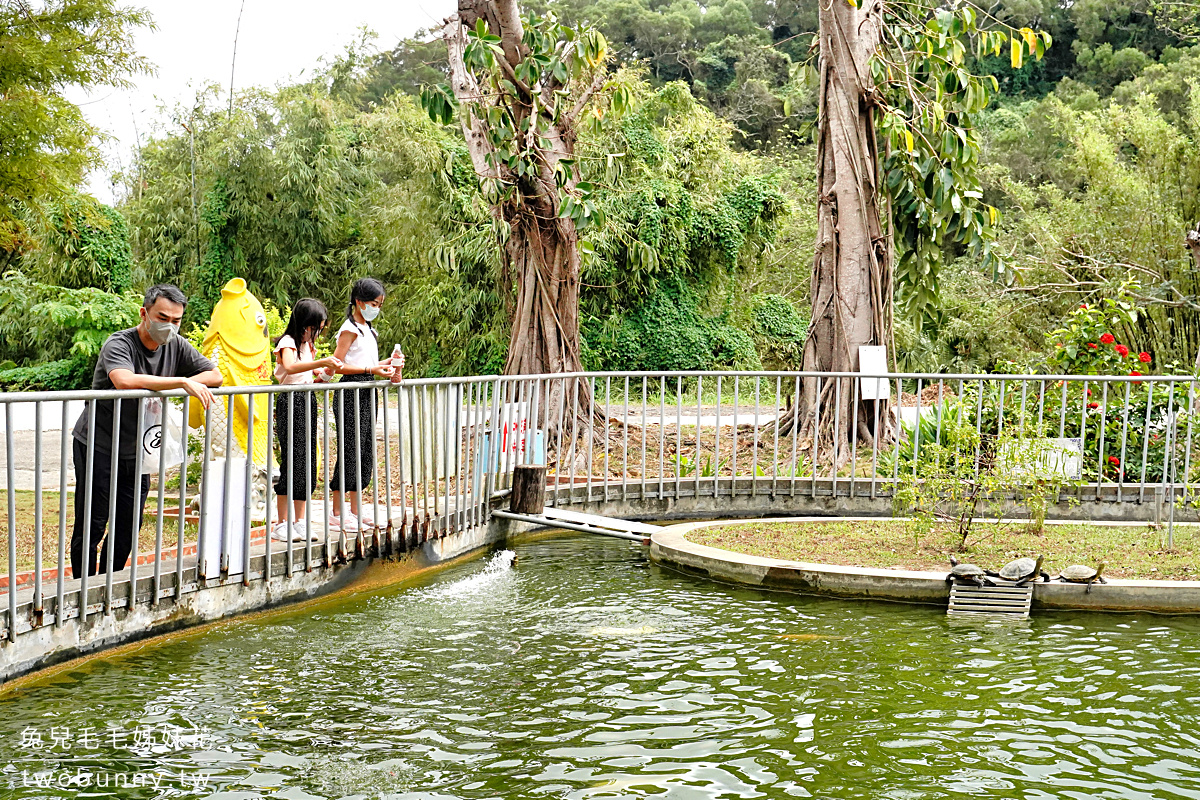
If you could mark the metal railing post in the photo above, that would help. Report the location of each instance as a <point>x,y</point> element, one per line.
<point>10,468</point>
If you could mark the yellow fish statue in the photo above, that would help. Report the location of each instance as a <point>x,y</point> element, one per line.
<point>237,341</point>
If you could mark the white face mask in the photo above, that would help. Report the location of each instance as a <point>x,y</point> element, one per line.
<point>369,312</point>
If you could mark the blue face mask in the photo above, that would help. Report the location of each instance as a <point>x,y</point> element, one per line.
<point>369,312</point>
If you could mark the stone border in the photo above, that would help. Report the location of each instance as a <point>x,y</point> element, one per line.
<point>671,548</point>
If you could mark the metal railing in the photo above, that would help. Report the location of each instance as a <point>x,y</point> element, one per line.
<point>442,450</point>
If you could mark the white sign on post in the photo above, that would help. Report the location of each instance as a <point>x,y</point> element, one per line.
<point>1043,458</point>
<point>872,360</point>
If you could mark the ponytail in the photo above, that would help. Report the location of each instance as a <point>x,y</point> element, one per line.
<point>364,290</point>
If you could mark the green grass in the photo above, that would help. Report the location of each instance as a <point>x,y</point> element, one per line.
<point>1128,551</point>
<point>26,541</point>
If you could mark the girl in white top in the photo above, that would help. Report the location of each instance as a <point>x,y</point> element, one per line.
<point>296,417</point>
<point>354,409</point>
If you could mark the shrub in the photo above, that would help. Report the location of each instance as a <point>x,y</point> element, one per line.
<point>732,348</point>
<point>55,333</point>
<point>779,331</point>
<point>52,376</point>
<point>1088,345</point>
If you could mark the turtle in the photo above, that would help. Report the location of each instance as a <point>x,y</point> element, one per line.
<point>1021,571</point>
<point>1079,573</point>
<point>967,574</point>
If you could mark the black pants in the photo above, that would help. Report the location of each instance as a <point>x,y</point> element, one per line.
<point>297,443</point>
<point>132,490</point>
<point>354,410</point>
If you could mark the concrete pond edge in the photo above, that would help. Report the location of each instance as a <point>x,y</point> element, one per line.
<point>671,548</point>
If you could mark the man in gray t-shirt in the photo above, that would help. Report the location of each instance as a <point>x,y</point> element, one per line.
<point>151,356</point>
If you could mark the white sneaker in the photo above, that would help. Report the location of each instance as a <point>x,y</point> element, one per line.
<point>299,531</point>
<point>366,523</point>
<point>279,532</point>
<point>351,522</point>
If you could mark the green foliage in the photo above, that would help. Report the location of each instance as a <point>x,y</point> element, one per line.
<point>779,331</point>
<point>979,327</point>
<point>1102,68</point>
<point>1096,196</point>
<point>1171,82</point>
<point>51,376</point>
<point>218,267</point>
<point>278,185</point>
<point>745,59</point>
<point>1086,345</point>
<point>688,217</point>
<point>668,333</point>
<point>57,332</point>
<point>411,64</point>
<point>929,120</point>
<point>46,146</point>
<point>775,318</point>
<point>532,103</point>
<point>82,243</point>
<point>947,471</point>
<point>732,347</point>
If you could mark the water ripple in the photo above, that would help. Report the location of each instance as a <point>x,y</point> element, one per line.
<point>584,672</point>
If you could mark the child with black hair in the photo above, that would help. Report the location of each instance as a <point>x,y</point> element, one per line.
<point>354,409</point>
<point>296,416</point>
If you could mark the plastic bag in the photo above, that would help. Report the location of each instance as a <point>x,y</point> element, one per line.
<point>162,436</point>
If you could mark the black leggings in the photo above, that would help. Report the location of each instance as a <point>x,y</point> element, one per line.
<point>354,411</point>
<point>297,443</point>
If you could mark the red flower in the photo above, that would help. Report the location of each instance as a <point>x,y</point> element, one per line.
<point>1093,405</point>
<point>1116,462</point>
<point>1093,345</point>
<point>1083,306</point>
<point>1122,350</point>
<point>1144,358</point>
<point>1107,338</point>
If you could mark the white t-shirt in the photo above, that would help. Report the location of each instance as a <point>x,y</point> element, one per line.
<point>364,350</point>
<point>304,353</point>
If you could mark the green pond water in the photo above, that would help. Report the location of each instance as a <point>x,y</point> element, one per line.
<point>584,671</point>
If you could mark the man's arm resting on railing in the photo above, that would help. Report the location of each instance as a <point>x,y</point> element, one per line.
<point>197,385</point>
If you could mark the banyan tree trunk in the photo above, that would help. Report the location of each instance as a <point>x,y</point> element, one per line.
<point>543,266</point>
<point>1193,243</point>
<point>542,254</point>
<point>541,248</point>
<point>852,269</point>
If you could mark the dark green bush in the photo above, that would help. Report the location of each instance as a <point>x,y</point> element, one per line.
<point>52,376</point>
<point>668,332</point>
<point>778,330</point>
<point>732,348</point>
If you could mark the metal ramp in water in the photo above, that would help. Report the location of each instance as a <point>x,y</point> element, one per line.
<point>586,523</point>
<point>1013,601</point>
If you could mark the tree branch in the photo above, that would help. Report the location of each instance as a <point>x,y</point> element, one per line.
<point>586,96</point>
<point>467,92</point>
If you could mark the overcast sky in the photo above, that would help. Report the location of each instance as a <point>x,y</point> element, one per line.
<point>193,45</point>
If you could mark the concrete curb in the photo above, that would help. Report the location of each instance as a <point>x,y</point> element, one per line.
<point>671,548</point>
